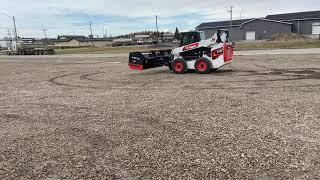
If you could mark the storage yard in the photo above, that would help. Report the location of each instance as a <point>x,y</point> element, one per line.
<point>90,117</point>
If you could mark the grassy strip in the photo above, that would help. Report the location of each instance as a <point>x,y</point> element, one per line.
<point>240,46</point>
<point>106,50</point>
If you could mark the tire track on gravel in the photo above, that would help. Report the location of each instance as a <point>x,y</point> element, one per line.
<point>140,85</point>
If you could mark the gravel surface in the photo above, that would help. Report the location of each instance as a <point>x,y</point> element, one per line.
<point>93,118</point>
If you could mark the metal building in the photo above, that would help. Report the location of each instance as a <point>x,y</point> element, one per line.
<point>307,23</point>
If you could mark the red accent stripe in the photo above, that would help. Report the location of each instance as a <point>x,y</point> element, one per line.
<point>191,46</point>
<point>228,53</point>
<point>136,67</point>
<point>215,55</point>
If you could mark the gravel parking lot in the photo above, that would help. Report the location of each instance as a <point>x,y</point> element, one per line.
<point>93,118</point>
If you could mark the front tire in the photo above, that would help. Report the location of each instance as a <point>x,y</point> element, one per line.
<point>179,66</point>
<point>203,66</point>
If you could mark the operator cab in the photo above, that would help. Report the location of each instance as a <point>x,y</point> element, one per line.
<point>223,36</point>
<point>192,37</point>
<point>188,38</point>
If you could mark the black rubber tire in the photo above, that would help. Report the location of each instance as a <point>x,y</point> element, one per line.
<point>203,66</point>
<point>40,52</point>
<point>179,66</point>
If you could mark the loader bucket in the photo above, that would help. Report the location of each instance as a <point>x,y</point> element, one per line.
<point>149,59</point>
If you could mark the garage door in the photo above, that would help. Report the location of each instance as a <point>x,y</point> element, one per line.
<point>316,28</point>
<point>250,35</point>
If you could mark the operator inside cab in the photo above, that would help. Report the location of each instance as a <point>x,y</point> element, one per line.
<point>190,37</point>
<point>195,38</point>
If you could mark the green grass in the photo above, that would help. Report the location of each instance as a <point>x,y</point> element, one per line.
<point>106,50</point>
<point>240,46</point>
<point>277,45</point>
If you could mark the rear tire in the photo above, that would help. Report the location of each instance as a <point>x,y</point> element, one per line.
<point>179,66</point>
<point>203,66</point>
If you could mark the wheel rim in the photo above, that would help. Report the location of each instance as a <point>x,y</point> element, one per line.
<point>202,66</point>
<point>178,67</point>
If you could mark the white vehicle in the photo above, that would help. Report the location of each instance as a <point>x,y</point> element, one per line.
<point>195,53</point>
<point>28,47</point>
<point>122,42</point>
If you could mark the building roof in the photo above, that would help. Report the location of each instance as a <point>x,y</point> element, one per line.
<point>236,23</point>
<point>263,19</point>
<point>82,40</point>
<point>292,16</point>
<point>71,37</point>
<point>94,39</point>
<point>220,24</point>
<point>277,18</point>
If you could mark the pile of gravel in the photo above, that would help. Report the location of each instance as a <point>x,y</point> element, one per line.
<point>288,37</point>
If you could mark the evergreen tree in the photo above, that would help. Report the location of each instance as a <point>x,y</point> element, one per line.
<point>177,34</point>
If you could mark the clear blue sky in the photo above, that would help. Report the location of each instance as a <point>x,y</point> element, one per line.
<point>124,16</point>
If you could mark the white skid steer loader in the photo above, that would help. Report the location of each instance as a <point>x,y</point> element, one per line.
<point>195,53</point>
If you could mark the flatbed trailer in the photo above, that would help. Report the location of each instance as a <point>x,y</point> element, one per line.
<point>31,51</point>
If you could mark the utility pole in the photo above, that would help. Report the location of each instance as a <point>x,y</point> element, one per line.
<point>231,17</point>
<point>45,33</point>
<point>45,37</point>
<point>15,29</point>
<point>157,29</point>
<point>105,32</point>
<point>91,34</point>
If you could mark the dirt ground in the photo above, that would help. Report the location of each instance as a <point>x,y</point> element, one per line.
<point>93,118</point>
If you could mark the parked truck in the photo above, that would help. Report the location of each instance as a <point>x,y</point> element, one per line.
<point>29,47</point>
